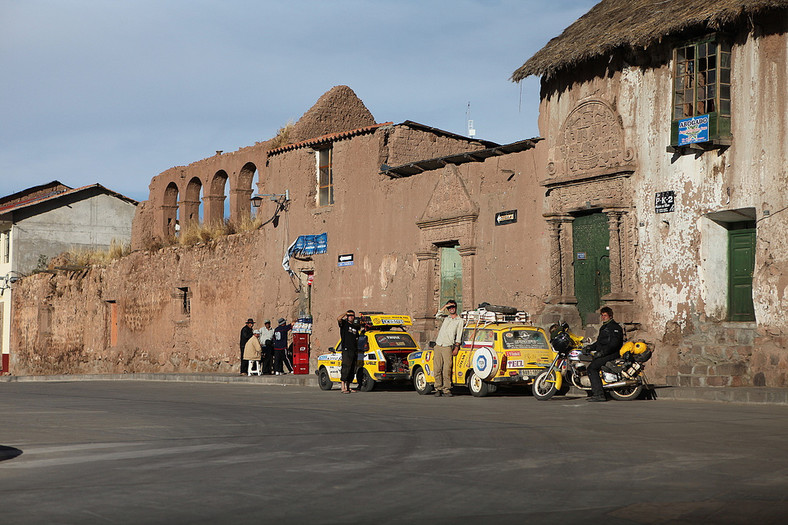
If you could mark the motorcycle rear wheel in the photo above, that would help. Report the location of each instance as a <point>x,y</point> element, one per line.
<point>626,393</point>
<point>544,385</point>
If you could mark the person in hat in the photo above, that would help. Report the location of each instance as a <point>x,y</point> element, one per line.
<point>280,344</point>
<point>267,345</point>
<point>246,332</point>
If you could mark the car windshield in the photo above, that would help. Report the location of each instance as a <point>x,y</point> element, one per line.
<point>522,339</point>
<point>394,340</point>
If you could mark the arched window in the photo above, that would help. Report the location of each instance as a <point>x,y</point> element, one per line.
<point>244,191</point>
<point>191,203</point>
<point>217,206</point>
<point>170,210</point>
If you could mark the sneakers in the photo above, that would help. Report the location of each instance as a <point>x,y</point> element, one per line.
<point>438,393</point>
<point>448,394</point>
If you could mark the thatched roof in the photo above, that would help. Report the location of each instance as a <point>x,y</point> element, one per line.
<point>613,24</point>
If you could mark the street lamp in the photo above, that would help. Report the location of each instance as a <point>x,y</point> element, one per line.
<point>8,279</point>
<point>281,198</point>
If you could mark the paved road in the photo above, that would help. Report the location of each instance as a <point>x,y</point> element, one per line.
<point>162,452</point>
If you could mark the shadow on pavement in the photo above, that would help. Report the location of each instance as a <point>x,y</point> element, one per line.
<point>9,452</point>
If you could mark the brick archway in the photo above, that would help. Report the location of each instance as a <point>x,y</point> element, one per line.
<point>190,204</point>
<point>241,193</point>
<point>169,210</point>
<point>215,197</point>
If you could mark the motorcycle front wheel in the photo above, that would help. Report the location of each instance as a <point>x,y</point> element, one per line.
<point>626,393</point>
<point>544,385</point>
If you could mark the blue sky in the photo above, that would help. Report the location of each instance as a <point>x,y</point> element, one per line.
<point>117,91</point>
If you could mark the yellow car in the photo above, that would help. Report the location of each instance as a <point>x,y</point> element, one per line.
<point>497,349</point>
<point>382,357</point>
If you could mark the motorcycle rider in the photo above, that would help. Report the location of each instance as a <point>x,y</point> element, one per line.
<point>606,347</point>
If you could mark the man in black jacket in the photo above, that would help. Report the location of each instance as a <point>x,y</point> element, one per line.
<point>246,332</point>
<point>608,343</point>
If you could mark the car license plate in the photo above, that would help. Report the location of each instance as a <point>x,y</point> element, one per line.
<point>533,372</point>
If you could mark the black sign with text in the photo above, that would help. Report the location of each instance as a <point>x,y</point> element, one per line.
<point>505,217</point>
<point>665,202</point>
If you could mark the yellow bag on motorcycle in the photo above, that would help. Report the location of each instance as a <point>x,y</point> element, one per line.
<point>628,347</point>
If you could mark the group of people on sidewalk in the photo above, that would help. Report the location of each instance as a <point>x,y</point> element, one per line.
<point>267,348</point>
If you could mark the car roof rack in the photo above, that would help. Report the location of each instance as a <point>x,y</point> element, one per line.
<point>482,315</point>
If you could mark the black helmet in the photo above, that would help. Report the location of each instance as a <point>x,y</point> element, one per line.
<point>561,342</point>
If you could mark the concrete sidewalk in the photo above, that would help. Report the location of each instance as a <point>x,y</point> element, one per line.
<point>754,395</point>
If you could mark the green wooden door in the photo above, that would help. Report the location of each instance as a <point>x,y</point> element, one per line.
<point>591,237</point>
<point>741,262</point>
<point>451,276</point>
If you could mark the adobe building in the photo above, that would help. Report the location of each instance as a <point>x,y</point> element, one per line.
<point>41,222</point>
<point>665,129</point>
<point>413,215</point>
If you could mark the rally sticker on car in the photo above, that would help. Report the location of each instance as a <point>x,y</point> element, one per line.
<point>515,363</point>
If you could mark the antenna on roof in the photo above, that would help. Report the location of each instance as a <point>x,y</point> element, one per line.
<point>471,130</point>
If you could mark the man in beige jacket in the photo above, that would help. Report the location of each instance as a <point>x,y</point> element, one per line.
<point>446,344</point>
<point>253,351</point>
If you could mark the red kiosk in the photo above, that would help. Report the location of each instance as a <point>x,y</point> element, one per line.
<point>302,331</point>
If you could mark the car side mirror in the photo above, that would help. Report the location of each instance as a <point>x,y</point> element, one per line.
<point>431,344</point>
<point>331,350</point>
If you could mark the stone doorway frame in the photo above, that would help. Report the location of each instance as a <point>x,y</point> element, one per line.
<point>449,218</point>
<point>592,169</point>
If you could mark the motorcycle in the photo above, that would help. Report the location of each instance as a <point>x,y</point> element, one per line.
<point>622,377</point>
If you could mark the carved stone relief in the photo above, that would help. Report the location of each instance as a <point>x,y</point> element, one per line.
<point>591,142</point>
<point>598,193</point>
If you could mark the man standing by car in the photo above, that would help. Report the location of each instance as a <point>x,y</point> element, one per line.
<point>608,343</point>
<point>246,333</point>
<point>348,332</point>
<point>446,344</point>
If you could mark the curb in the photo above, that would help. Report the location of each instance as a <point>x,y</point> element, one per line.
<point>284,380</point>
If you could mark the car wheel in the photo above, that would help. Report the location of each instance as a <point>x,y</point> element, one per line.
<point>324,380</point>
<point>626,393</point>
<point>544,385</point>
<point>420,382</point>
<point>477,386</point>
<point>365,383</point>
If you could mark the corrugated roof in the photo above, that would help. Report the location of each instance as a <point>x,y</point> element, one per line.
<point>331,137</point>
<point>416,125</point>
<point>34,192</point>
<point>615,24</point>
<point>414,168</point>
<point>14,206</point>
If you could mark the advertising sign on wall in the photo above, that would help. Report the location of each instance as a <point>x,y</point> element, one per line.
<point>693,130</point>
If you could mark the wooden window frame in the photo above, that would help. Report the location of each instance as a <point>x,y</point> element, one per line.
<point>325,176</point>
<point>701,88</point>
